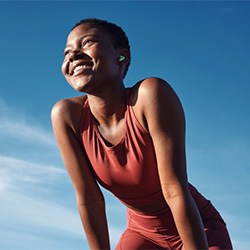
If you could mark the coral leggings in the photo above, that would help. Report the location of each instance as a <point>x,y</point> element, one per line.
<point>159,231</point>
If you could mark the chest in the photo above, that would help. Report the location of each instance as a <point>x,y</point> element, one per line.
<point>128,169</point>
<point>112,135</point>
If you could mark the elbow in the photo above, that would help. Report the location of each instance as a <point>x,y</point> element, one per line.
<point>171,198</point>
<point>90,201</point>
<point>89,209</point>
<point>175,194</point>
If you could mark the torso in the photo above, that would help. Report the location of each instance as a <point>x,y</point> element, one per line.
<point>128,169</point>
<point>148,197</point>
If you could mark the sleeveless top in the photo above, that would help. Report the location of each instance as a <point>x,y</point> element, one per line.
<point>128,169</point>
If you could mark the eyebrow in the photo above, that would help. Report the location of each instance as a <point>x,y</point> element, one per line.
<point>81,38</point>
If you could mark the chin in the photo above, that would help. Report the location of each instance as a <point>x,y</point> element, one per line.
<point>80,88</point>
<point>80,85</point>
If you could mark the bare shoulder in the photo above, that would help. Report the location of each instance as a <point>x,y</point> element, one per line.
<point>68,112</point>
<point>153,98</point>
<point>68,105</point>
<point>154,88</point>
<point>153,91</point>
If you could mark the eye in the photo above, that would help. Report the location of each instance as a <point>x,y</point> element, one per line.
<point>87,42</point>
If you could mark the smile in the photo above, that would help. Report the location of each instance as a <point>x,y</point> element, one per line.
<point>79,68</point>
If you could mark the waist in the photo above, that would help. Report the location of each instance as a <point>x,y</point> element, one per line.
<point>150,209</point>
<point>155,203</point>
<point>150,204</point>
<point>160,220</point>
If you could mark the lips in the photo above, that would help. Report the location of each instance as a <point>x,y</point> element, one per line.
<point>79,66</point>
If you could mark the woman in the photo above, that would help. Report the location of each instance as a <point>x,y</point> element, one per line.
<point>132,141</point>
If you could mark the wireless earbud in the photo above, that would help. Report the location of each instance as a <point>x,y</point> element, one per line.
<point>122,58</point>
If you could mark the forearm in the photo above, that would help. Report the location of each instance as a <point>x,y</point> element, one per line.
<point>188,223</point>
<point>94,221</point>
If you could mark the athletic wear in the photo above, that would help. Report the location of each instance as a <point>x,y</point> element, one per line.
<point>159,231</point>
<point>129,170</point>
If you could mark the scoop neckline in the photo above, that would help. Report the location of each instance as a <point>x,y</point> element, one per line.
<point>97,132</point>
<point>101,137</point>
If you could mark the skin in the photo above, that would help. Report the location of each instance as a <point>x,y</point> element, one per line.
<point>156,107</point>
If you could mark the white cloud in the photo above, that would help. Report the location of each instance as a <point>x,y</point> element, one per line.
<point>15,124</point>
<point>24,132</point>
<point>22,211</point>
<point>17,208</point>
<point>15,171</point>
<point>4,180</point>
<point>13,240</point>
<point>29,139</point>
<point>23,205</point>
<point>115,233</point>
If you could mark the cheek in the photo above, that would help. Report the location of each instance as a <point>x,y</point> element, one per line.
<point>64,68</point>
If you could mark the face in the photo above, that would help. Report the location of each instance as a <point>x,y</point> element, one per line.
<point>90,59</point>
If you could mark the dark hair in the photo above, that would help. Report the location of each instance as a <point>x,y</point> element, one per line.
<point>118,36</point>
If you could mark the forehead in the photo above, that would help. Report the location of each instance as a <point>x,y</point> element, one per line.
<point>84,30</point>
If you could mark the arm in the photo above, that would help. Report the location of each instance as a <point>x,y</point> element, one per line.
<point>90,200</point>
<point>166,124</point>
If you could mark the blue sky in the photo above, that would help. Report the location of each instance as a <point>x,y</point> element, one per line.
<point>201,48</point>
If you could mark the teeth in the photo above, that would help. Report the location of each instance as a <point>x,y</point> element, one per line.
<point>77,68</point>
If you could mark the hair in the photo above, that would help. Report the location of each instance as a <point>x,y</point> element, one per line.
<point>118,36</point>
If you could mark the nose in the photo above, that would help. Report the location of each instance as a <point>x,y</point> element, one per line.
<point>74,55</point>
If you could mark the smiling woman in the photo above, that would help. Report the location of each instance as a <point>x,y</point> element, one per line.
<point>131,141</point>
<point>89,54</point>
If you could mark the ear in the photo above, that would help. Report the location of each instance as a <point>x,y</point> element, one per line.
<point>124,56</point>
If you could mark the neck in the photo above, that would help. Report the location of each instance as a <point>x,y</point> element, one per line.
<point>109,107</point>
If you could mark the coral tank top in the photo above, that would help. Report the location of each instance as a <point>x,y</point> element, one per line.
<point>127,169</point>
